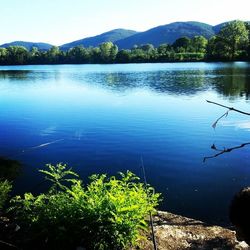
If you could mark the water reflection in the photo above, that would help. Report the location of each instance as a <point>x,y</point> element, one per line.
<point>29,75</point>
<point>231,81</point>
<point>15,74</point>
<point>174,82</point>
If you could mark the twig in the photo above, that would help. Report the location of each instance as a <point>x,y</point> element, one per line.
<point>230,108</point>
<point>36,147</point>
<point>8,244</point>
<point>150,214</point>
<point>225,150</point>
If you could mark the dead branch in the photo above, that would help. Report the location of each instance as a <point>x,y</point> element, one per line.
<point>230,108</point>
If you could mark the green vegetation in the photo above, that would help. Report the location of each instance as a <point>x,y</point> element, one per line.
<point>9,170</point>
<point>230,44</point>
<point>108,213</point>
<point>5,188</point>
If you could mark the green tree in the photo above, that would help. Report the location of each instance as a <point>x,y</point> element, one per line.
<point>123,56</point>
<point>3,55</point>
<point>95,54</point>
<point>248,47</point>
<point>217,49</point>
<point>34,55</point>
<point>235,36</point>
<point>150,53</point>
<point>199,44</point>
<point>138,55</point>
<point>108,52</point>
<point>52,55</point>
<point>17,55</point>
<point>182,44</point>
<point>165,53</point>
<point>163,49</point>
<point>78,54</point>
<point>147,47</point>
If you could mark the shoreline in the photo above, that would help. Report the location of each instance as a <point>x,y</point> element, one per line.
<point>178,232</point>
<point>123,63</point>
<point>172,232</point>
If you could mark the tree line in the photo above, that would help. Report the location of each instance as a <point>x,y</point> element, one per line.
<point>230,44</point>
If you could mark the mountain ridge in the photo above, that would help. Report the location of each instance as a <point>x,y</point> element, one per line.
<point>167,33</point>
<point>109,36</point>
<point>127,39</point>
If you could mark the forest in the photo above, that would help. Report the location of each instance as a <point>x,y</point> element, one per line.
<point>232,43</point>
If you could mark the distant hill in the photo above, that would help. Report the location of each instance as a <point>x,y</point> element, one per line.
<point>126,39</point>
<point>110,36</point>
<point>28,45</point>
<point>167,34</point>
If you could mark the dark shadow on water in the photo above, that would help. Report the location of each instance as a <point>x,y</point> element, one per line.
<point>9,169</point>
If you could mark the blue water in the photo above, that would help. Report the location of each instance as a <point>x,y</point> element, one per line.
<point>105,118</point>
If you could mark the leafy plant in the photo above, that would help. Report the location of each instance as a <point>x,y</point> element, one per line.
<point>57,175</point>
<point>108,213</point>
<point>5,188</point>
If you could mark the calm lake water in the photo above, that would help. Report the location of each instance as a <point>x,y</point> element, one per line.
<point>104,118</point>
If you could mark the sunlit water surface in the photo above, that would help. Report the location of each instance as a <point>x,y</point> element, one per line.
<point>105,118</point>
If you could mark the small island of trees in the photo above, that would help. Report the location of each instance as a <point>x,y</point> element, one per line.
<point>232,43</point>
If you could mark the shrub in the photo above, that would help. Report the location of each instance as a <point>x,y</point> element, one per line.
<point>5,188</point>
<point>108,213</point>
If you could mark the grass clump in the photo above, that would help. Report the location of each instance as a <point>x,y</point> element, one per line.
<point>108,213</point>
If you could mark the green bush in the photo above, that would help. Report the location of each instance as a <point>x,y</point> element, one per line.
<point>108,213</point>
<point>5,188</point>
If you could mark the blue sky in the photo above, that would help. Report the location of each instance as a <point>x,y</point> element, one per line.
<point>62,21</point>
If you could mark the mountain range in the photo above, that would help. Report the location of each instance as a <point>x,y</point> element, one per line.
<point>126,39</point>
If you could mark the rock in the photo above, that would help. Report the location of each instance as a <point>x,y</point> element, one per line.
<point>174,232</point>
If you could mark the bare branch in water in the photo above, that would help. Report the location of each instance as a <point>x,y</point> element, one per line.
<point>223,151</point>
<point>215,123</point>
<point>36,147</point>
<point>226,114</point>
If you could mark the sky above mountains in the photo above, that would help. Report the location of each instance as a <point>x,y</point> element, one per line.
<point>61,21</point>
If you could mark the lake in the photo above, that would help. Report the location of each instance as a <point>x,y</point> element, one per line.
<point>106,118</point>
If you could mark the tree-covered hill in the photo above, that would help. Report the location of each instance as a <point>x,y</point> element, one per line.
<point>167,34</point>
<point>110,36</point>
<point>28,45</point>
<point>129,39</point>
